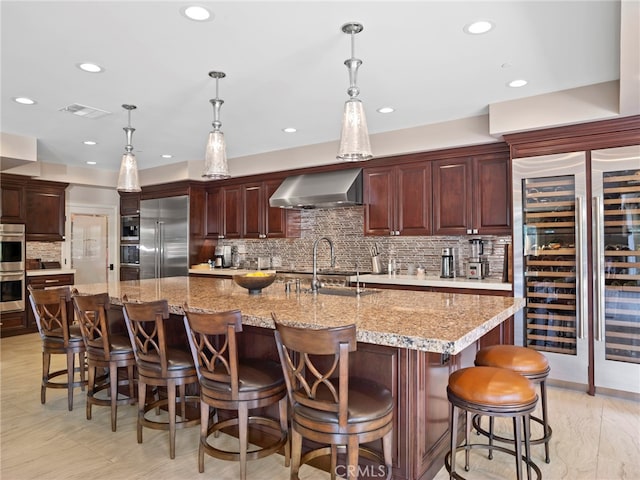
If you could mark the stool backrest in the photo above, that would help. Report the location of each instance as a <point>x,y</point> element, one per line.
<point>212,339</point>
<point>91,311</point>
<point>145,324</point>
<point>315,364</point>
<point>52,310</point>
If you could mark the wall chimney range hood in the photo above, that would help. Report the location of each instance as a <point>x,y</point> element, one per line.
<point>340,188</point>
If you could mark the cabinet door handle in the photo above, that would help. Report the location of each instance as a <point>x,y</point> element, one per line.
<point>598,262</point>
<point>51,281</point>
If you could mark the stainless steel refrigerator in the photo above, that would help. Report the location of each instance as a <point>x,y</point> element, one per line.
<point>164,234</point>
<point>577,263</point>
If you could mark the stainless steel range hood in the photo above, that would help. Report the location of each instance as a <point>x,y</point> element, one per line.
<point>340,188</point>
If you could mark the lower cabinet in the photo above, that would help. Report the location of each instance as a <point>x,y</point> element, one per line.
<point>129,273</point>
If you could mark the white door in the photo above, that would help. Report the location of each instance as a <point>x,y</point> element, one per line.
<point>101,258</point>
<point>89,248</point>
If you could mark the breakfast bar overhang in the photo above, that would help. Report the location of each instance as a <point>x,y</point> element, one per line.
<point>409,341</point>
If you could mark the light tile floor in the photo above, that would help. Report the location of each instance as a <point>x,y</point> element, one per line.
<point>593,437</point>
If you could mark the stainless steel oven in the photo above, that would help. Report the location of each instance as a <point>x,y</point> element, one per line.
<point>12,291</point>
<point>12,248</point>
<point>12,267</point>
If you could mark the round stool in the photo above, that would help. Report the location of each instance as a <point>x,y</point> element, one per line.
<point>495,392</point>
<point>529,363</point>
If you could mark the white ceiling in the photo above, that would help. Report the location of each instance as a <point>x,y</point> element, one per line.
<point>284,66</point>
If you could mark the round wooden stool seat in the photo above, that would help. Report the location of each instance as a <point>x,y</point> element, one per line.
<point>495,392</point>
<point>523,360</point>
<point>529,363</point>
<point>494,387</point>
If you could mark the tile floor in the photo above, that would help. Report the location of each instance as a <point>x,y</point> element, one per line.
<point>593,437</point>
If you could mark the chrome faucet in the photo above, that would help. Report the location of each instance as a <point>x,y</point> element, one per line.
<point>315,284</point>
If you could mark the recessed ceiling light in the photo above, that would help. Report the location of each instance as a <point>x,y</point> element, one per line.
<point>90,67</point>
<point>197,13</point>
<point>91,162</point>
<point>289,130</point>
<point>166,155</point>
<point>386,110</point>
<point>24,100</point>
<point>90,142</point>
<point>517,83</point>
<point>479,27</point>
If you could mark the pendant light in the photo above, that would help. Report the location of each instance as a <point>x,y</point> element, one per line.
<point>354,138</point>
<point>215,157</point>
<point>128,178</point>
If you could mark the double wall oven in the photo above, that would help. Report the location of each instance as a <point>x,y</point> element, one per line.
<point>12,268</point>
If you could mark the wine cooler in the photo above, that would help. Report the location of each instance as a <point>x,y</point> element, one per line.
<point>554,196</point>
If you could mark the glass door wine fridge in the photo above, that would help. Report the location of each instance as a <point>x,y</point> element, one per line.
<point>581,281</point>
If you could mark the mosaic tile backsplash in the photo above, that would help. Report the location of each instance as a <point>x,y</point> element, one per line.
<point>345,227</point>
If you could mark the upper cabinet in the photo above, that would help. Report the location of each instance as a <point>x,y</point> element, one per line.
<point>224,211</point>
<point>14,209</point>
<point>261,220</point>
<point>129,203</point>
<point>243,211</point>
<point>472,195</point>
<point>398,199</point>
<point>39,204</point>
<point>45,203</point>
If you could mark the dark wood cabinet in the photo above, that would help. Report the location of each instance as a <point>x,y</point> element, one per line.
<point>398,200</point>
<point>13,199</point>
<point>472,196</point>
<point>39,204</point>
<point>45,214</point>
<point>232,209</point>
<point>224,212</point>
<point>129,203</point>
<point>261,220</point>
<point>243,211</point>
<point>129,272</point>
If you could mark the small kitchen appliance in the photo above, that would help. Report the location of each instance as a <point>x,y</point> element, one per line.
<point>447,264</point>
<point>222,256</point>
<point>478,265</point>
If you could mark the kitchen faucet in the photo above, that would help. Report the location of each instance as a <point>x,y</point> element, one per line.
<point>315,284</point>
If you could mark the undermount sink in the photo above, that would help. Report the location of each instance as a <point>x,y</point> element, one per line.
<point>345,292</point>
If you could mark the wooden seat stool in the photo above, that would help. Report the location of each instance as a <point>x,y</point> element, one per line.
<point>495,392</point>
<point>529,363</point>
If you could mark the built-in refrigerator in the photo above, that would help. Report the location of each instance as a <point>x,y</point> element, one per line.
<point>164,233</point>
<point>577,264</point>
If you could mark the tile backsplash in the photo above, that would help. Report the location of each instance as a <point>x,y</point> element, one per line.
<point>345,227</point>
<point>45,251</point>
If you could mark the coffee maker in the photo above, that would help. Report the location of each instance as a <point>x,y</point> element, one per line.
<point>478,265</point>
<point>222,256</point>
<point>447,263</point>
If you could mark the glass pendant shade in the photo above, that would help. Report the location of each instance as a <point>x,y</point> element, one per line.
<point>128,178</point>
<point>354,138</point>
<point>215,157</point>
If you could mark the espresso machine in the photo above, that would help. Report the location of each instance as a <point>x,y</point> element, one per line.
<point>222,256</point>
<point>478,265</point>
<point>447,263</point>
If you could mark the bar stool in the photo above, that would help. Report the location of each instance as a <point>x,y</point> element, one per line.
<point>531,364</point>
<point>496,392</point>
<point>53,311</point>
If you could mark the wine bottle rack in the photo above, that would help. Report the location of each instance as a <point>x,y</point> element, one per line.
<point>621,222</point>
<point>550,263</point>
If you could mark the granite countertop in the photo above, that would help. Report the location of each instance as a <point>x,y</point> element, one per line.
<point>426,321</point>
<point>415,280</point>
<point>428,281</point>
<point>50,271</point>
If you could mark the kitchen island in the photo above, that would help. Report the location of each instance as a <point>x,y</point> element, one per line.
<point>409,341</point>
